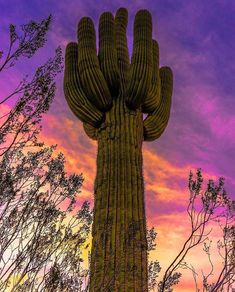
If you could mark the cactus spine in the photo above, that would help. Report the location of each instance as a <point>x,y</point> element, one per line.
<point>109,95</point>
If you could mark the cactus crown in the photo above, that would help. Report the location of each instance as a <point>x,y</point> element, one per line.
<point>92,81</point>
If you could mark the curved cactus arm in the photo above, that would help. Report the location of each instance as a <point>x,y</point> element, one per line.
<point>92,79</point>
<point>141,61</point>
<point>121,20</point>
<point>155,123</point>
<point>108,53</point>
<point>153,98</point>
<point>91,131</point>
<point>74,95</point>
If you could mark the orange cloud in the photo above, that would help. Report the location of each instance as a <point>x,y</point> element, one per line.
<point>166,191</point>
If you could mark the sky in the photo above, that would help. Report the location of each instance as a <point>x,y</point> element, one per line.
<point>197,40</point>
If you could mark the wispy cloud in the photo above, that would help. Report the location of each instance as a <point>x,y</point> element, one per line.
<point>196,40</point>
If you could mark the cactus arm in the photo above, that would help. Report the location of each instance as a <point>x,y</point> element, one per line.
<point>141,62</point>
<point>108,53</point>
<point>155,123</point>
<point>92,79</point>
<point>74,95</point>
<point>121,20</point>
<point>153,98</point>
<point>91,131</point>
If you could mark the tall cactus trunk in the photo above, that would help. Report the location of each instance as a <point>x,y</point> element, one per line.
<point>119,247</point>
<point>109,95</point>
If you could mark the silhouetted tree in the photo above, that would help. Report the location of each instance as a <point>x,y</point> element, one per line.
<point>21,124</point>
<point>212,205</point>
<point>153,266</point>
<point>36,231</point>
<point>41,233</point>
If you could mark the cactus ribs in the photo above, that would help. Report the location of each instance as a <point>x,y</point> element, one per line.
<point>109,95</point>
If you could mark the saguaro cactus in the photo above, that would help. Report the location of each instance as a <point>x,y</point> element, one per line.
<point>109,95</point>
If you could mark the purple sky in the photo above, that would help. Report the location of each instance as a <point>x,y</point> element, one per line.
<point>197,40</point>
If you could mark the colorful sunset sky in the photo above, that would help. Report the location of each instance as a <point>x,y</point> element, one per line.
<point>197,40</point>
